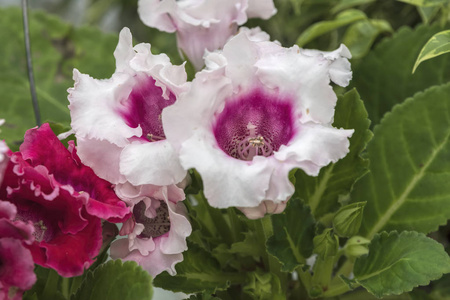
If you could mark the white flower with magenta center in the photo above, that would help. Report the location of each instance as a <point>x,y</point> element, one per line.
<point>256,112</point>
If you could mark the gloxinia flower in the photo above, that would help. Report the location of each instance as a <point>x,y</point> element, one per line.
<point>17,266</point>
<point>256,112</point>
<point>202,24</point>
<point>62,198</point>
<point>117,121</point>
<point>158,229</point>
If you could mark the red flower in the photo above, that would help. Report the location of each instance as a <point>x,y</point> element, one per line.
<point>16,262</point>
<point>63,199</point>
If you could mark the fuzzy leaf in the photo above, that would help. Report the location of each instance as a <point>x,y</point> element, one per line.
<point>116,280</point>
<point>57,48</point>
<point>322,192</point>
<point>397,263</point>
<point>438,44</point>
<point>292,241</point>
<point>342,19</point>
<point>407,188</point>
<point>383,78</point>
<point>424,3</point>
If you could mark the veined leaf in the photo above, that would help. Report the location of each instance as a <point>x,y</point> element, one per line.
<point>438,44</point>
<point>342,19</point>
<point>322,192</point>
<point>292,241</point>
<point>408,184</point>
<point>397,263</point>
<point>383,78</point>
<point>424,3</point>
<point>116,280</point>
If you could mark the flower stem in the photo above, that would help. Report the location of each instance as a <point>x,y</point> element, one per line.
<point>51,285</point>
<point>26,32</point>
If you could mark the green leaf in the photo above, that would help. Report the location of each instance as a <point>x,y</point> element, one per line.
<point>438,44</point>
<point>342,19</point>
<point>407,188</point>
<point>383,78</point>
<point>116,280</point>
<point>428,13</point>
<point>424,3</point>
<point>294,230</point>
<point>344,4</point>
<point>360,36</point>
<point>197,273</point>
<point>322,192</point>
<point>57,48</point>
<point>397,263</point>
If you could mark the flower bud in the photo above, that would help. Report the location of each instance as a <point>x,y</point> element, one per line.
<point>348,219</point>
<point>356,246</point>
<point>326,244</point>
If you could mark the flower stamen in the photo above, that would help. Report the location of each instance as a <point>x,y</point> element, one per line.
<point>253,145</point>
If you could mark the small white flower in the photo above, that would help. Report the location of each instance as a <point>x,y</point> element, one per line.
<point>256,112</point>
<point>117,121</point>
<point>202,24</point>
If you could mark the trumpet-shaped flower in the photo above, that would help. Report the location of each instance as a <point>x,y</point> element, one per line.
<point>202,24</point>
<point>62,198</point>
<point>256,112</point>
<point>117,121</point>
<point>158,229</point>
<point>16,262</point>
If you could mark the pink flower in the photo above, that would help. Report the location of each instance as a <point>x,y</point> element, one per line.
<point>117,121</point>
<point>202,24</point>
<point>62,198</point>
<point>256,112</point>
<point>16,262</point>
<point>158,229</point>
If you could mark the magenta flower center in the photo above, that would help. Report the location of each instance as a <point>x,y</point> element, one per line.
<point>144,107</point>
<point>153,227</point>
<point>256,123</point>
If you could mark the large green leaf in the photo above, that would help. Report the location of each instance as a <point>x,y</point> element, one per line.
<point>397,263</point>
<point>56,49</point>
<point>344,4</point>
<point>342,19</point>
<point>294,230</point>
<point>408,186</point>
<point>383,78</point>
<point>322,192</point>
<point>116,280</point>
<point>198,272</point>
<point>438,44</point>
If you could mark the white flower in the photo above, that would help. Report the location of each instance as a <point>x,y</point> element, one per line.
<point>256,112</point>
<point>117,121</point>
<point>157,230</point>
<point>202,24</point>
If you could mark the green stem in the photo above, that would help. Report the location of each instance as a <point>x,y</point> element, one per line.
<point>51,285</point>
<point>65,287</point>
<point>270,261</point>
<point>323,268</point>
<point>338,289</point>
<point>305,278</point>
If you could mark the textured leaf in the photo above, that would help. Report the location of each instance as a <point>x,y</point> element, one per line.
<point>360,36</point>
<point>397,263</point>
<point>424,3</point>
<point>56,49</point>
<point>342,19</point>
<point>292,241</point>
<point>408,186</point>
<point>383,78</point>
<point>322,192</point>
<point>197,273</point>
<point>116,280</point>
<point>438,44</point>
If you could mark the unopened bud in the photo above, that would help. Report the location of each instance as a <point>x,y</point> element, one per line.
<point>348,219</point>
<point>326,244</point>
<point>356,246</point>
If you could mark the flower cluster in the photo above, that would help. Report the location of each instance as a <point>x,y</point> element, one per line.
<point>255,112</point>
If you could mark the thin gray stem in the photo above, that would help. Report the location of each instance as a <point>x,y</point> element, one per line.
<point>37,114</point>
